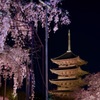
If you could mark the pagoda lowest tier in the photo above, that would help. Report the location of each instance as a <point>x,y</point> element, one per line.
<point>62,93</point>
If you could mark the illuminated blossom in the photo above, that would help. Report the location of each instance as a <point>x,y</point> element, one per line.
<point>1,98</point>
<point>93,90</point>
<point>13,62</point>
<point>20,20</point>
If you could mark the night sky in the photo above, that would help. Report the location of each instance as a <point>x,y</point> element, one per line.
<point>85,33</point>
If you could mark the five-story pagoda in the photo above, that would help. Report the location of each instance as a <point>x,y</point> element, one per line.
<point>69,74</point>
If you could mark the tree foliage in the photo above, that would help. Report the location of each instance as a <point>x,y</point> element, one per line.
<point>92,92</point>
<point>20,18</point>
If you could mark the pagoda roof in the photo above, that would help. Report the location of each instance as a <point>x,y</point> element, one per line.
<point>71,82</point>
<point>63,68</point>
<point>66,55</point>
<point>62,94</point>
<point>61,91</point>
<point>69,72</point>
<point>68,89</point>
<point>64,79</point>
<point>69,62</point>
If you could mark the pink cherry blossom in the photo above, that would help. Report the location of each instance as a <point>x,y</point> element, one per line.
<point>16,18</point>
<point>93,90</point>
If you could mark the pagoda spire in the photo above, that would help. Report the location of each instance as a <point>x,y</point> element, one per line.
<point>69,42</point>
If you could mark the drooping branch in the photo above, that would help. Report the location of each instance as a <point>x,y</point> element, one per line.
<point>15,18</point>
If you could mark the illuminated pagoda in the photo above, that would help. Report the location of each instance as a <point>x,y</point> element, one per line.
<point>69,74</point>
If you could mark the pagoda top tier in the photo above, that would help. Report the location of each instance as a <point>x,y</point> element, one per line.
<point>68,58</point>
<point>69,62</point>
<point>68,54</point>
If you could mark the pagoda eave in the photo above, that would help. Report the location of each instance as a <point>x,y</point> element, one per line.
<point>67,82</point>
<point>73,72</point>
<point>68,89</point>
<point>65,72</point>
<point>77,61</point>
<point>65,94</point>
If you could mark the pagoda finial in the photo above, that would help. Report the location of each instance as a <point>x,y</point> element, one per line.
<point>69,42</point>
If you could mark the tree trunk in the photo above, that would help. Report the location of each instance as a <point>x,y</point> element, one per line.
<point>4,97</point>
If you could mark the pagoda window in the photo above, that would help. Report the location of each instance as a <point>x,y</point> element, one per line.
<point>72,74</point>
<point>61,95</point>
<point>61,73</point>
<point>66,83</point>
<point>64,72</point>
<point>70,83</point>
<point>69,72</point>
<point>61,84</point>
<point>66,75</point>
<point>66,65</point>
